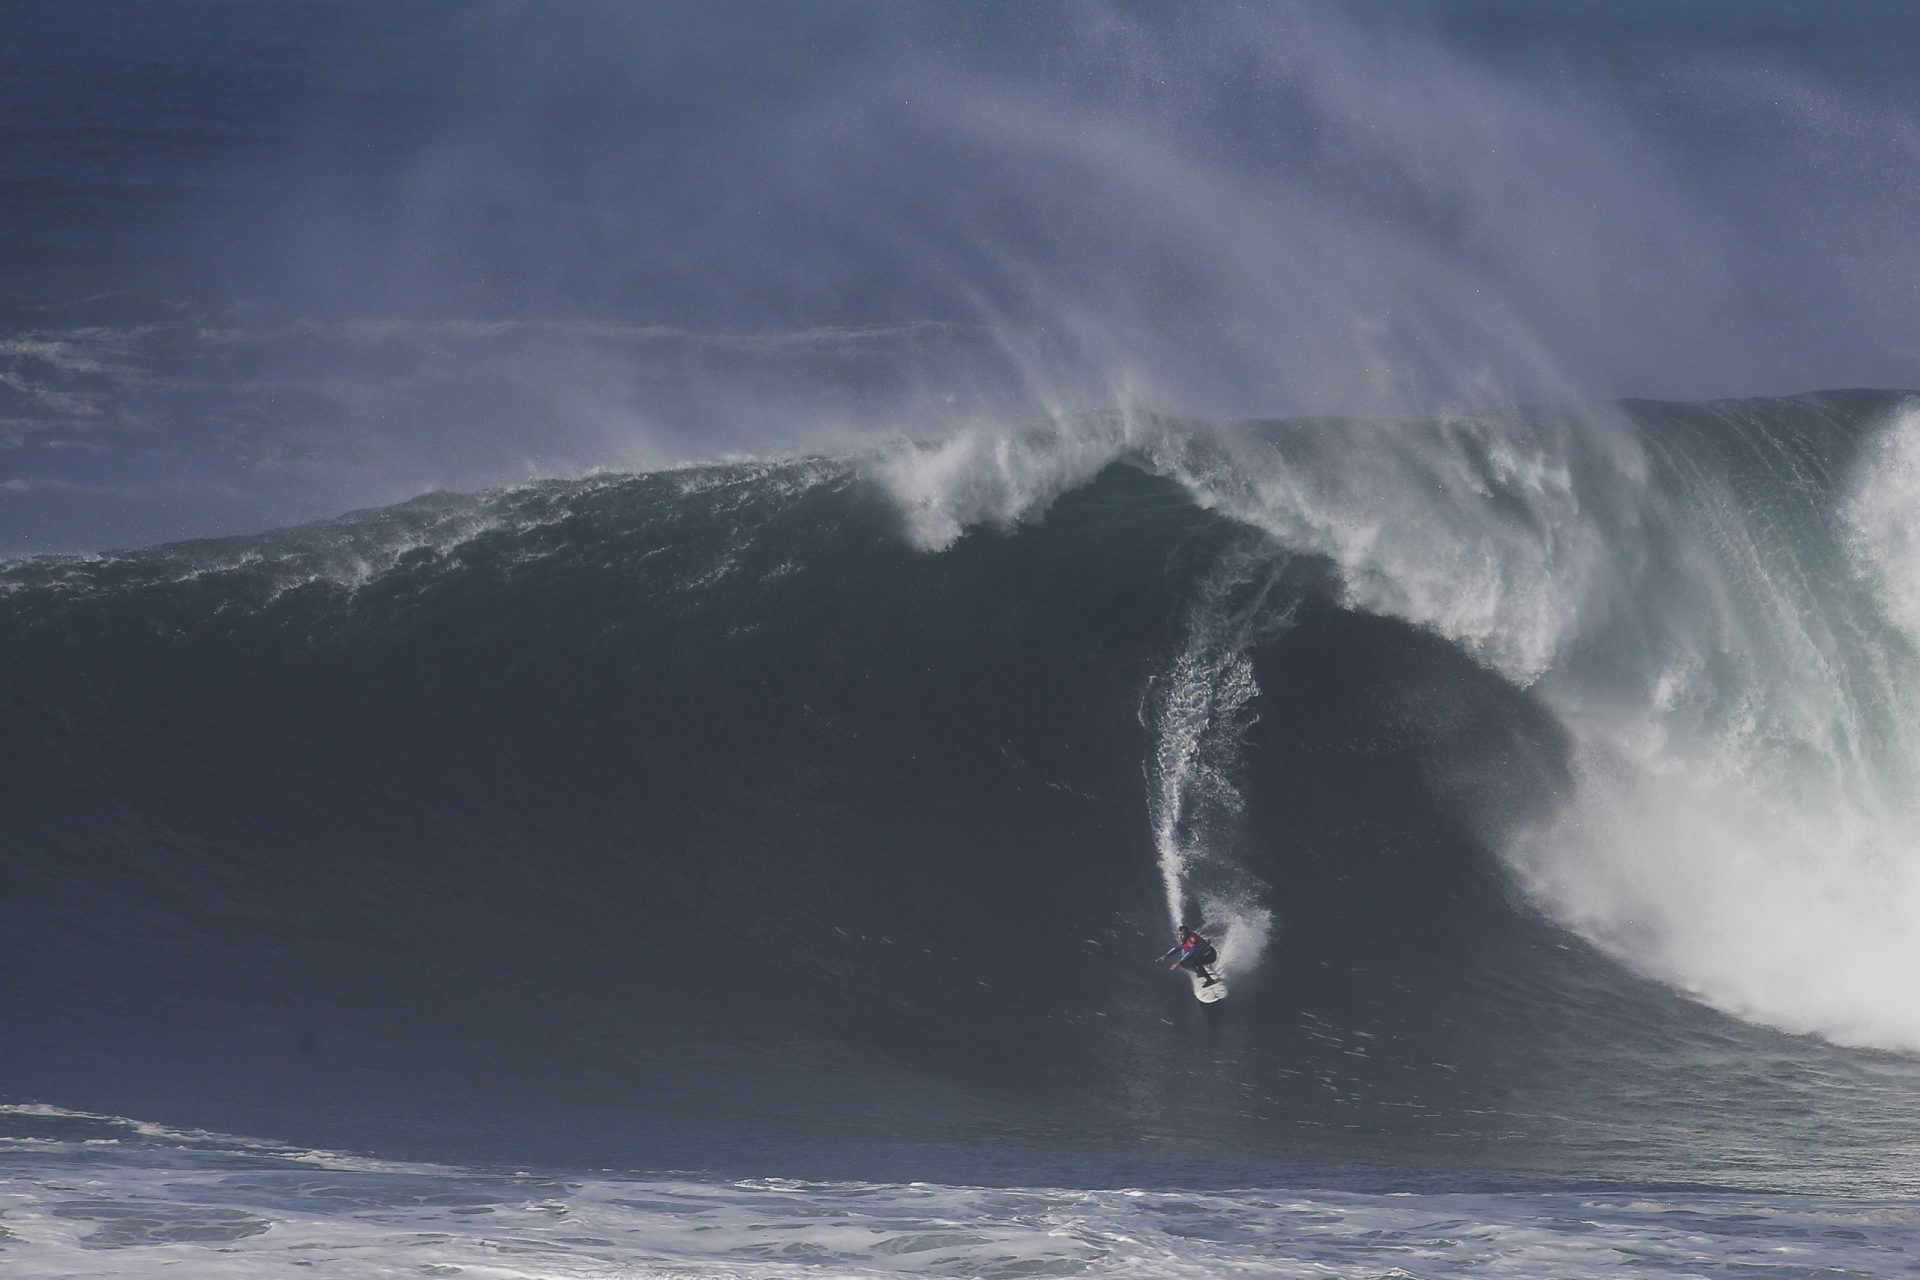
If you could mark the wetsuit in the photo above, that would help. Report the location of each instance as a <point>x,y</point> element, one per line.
<point>1195,953</point>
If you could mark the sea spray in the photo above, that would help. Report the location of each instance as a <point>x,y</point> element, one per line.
<point>1882,521</point>
<point>998,477</point>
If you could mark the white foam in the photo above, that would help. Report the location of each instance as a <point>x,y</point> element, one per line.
<point>1883,521</point>
<point>1743,823</point>
<point>1472,529</point>
<point>214,1211</point>
<point>999,478</point>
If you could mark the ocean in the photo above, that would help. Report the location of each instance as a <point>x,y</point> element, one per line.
<point>626,628</point>
<point>759,867</point>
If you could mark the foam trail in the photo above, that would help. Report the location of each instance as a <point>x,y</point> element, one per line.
<point>1197,712</point>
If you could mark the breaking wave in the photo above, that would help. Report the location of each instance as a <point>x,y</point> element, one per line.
<point>1514,762</point>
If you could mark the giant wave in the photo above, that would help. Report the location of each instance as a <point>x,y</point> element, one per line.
<point>1547,778</point>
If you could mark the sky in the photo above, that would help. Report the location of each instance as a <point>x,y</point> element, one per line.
<point>260,264</point>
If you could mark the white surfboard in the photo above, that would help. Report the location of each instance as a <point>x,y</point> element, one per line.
<point>1207,994</point>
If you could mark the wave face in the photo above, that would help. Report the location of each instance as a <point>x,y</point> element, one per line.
<point>1546,780</point>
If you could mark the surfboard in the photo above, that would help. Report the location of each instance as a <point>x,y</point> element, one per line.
<point>1207,994</point>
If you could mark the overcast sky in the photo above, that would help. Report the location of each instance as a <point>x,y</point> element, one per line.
<point>265,262</point>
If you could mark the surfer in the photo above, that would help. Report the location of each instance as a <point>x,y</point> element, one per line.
<point>1193,952</point>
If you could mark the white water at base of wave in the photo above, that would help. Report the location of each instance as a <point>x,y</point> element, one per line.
<point>1736,666</point>
<point>96,1196</point>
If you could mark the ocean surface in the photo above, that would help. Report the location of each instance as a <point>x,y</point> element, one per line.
<point>624,628</point>
<point>757,869</point>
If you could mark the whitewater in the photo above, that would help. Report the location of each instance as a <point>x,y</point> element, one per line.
<point>106,1196</point>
